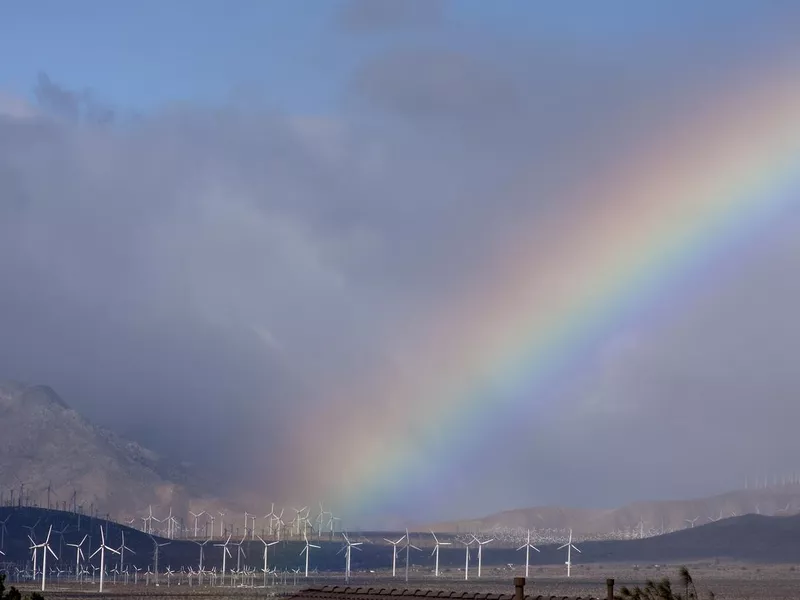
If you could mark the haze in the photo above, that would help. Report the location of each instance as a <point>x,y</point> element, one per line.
<point>217,220</point>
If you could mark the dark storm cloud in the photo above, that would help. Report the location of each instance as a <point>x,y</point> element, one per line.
<point>380,15</point>
<point>205,280</point>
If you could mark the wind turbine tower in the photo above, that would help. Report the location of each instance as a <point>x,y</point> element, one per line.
<point>466,560</point>
<point>225,554</point>
<point>196,516</point>
<point>349,548</point>
<point>569,546</point>
<point>45,546</point>
<point>409,545</point>
<point>528,547</point>
<point>266,549</point>
<point>102,550</point>
<point>305,550</point>
<point>78,556</point>
<point>480,552</point>
<point>394,552</point>
<point>436,551</point>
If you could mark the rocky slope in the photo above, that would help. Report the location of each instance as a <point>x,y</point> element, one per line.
<point>46,444</point>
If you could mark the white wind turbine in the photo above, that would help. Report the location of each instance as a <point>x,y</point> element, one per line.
<point>691,521</point>
<point>200,566</point>
<point>221,523</point>
<point>569,546</point>
<point>349,547</point>
<point>269,517</point>
<point>225,554</point>
<point>78,556</point>
<point>480,552</point>
<point>528,547</point>
<point>3,531</point>
<point>436,551</point>
<point>304,550</point>
<point>466,561</point>
<point>45,546</point>
<point>196,516</point>
<point>408,547</point>
<point>122,549</point>
<point>279,524</point>
<point>298,518</point>
<point>332,523</point>
<point>102,550</point>
<point>240,553</point>
<point>266,550</point>
<point>394,552</point>
<point>320,520</point>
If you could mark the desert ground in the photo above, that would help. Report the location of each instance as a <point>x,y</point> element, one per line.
<point>727,580</point>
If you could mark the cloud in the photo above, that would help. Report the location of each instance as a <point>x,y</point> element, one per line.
<point>206,280</point>
<point>380,15</point>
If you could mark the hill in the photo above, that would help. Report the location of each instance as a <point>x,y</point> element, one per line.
<point>50,454</point>
<point>651,517</point>
<point>751,538</point>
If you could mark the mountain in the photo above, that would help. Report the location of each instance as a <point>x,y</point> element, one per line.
<point>651,516</point>
<point>48,449</point>
<point>751,538</point>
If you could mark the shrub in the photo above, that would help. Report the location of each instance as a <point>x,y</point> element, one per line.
<point>13,593</point>
<point>662,590</point>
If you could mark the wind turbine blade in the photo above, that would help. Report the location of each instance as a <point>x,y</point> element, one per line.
<point>51,552</point>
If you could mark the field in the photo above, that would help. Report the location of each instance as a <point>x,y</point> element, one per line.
<point>735,581</point>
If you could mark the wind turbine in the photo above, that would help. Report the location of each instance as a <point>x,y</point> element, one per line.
<point>156,547</point>
<point>480,552</point>
<point>691,521</point>
<point>196,516</point>
<point>3,531</point>
<point>102,550</point>
<point>78,555</point>
<point>297,519</point>
<point>569,546</point>
<point>122,549</point>
<point>528,547</point>
<point>349,547</point>
<point>408,547</point>
<point>200,568</point>
<point>225,553</point>
<point>266,550</point>
<point>466,561</point>
<point>270,516</point>
<point>394,552</point>
<point>332,523</point>
<point>279,524</point>
<point>240,552</point>
<point>45,546</point>
<point>304,550</point>
<point>221,522</point>
<point>436,551</point>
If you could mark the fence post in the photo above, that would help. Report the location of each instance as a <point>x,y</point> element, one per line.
<point>609,589</point>
<point>519,588</point>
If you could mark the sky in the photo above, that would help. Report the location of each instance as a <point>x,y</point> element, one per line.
<point>231,230</point>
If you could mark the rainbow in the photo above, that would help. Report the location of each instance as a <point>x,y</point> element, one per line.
<point>702,188</point>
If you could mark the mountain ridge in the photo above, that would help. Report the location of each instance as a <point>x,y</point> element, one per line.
<point>646,517</point>
<point>50,452</point>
